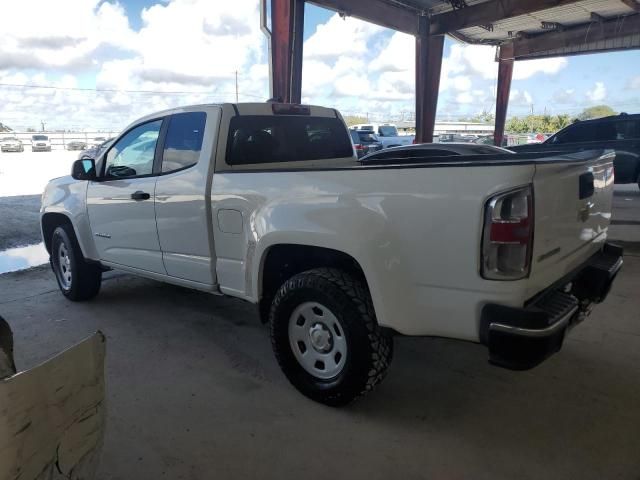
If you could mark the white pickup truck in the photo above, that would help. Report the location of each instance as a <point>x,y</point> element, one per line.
<point>269,203</point>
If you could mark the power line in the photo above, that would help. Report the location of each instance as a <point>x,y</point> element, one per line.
<point>116,90</point>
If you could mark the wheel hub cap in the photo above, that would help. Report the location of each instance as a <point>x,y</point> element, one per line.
<point>320,337</point>
<point>63,270</point>
<point>317,340</point>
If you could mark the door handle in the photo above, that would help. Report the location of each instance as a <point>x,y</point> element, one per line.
<point>140,195</point>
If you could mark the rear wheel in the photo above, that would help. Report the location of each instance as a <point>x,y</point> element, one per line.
<point>326,338</point>
<point>78,279</point>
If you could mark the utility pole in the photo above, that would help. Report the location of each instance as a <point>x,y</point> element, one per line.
<point>42,123</point>
<point>236,86</point>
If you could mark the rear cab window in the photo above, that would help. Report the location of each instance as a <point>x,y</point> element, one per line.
<point>367,137</point>
<point>270,139</point>
<point>387,131</point>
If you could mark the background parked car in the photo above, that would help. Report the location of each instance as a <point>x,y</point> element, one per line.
<point>618,132</point>
<point>488,140</point>
<point>423,150</point>
<point>95,151</point>
<point>40,143</point>
<point>453,137</point>
<point>365,142</point>
<point>11,144</point>
<point>97,141</point>
<point>387,134</point>
<point>76,145</point>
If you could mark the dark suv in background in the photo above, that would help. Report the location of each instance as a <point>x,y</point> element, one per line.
<point>618,132</point>
<point>365,142</point>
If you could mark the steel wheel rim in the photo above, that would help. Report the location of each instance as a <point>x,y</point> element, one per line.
<point>317,340</point>
<point>63,266</point>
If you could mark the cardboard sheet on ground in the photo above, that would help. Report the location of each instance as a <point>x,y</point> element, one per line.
<point>52,416</point>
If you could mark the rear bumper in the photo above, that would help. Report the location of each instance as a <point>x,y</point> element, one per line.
<point>521,338</point>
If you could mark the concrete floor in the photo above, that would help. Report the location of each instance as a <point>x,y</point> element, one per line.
<point>194,392</point>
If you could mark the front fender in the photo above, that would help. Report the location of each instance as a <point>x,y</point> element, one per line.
<point>66,196</point>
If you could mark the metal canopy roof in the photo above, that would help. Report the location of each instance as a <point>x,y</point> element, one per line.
<point>537,28</point>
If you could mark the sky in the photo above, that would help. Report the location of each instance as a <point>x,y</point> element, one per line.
<point>110,62</point>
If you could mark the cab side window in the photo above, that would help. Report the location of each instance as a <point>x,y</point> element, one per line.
<point>183,141</point>
<point>133,154</point>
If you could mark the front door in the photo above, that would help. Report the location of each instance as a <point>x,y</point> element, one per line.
<point>121,203</point>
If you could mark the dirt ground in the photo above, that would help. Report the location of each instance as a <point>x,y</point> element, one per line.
<point>194,392</point>
<point>20,221</point>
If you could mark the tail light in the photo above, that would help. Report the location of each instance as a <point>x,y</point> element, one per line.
<point>358,147</point>
<point>507,240</point>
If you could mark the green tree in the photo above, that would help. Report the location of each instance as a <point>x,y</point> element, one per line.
<point>596,112</point>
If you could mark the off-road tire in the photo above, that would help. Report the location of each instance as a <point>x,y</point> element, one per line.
<point>369,348</point>
<point>86,277</point>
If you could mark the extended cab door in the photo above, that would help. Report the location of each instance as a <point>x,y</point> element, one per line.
<point>121,203</point>
<point>183,207</point>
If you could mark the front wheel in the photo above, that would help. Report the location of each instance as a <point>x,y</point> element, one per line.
<point>78,279</point>
<point>326,338</point>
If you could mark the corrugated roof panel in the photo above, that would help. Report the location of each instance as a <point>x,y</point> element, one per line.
<point>568,15</point>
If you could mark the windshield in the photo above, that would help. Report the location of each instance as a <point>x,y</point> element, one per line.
<point>39,137</point>
<point>10,139</point>
<point>388,131</point>
<point>367,137</point>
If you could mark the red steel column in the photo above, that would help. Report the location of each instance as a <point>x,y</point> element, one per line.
<point>296,54</point>
<point>428,66</point>
<point>287,21</point>
<point>505,72</point>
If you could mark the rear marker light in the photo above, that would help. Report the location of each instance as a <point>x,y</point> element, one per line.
<point>507,240</point>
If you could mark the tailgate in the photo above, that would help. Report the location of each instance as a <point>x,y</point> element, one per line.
<point>572,196</point>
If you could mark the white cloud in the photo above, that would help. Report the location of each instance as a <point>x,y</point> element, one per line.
<point>195,46</point>
<point>598,94</point>
<point>36,34</point>
<point>564,96</point>
<point>464,97</point>
<point>183,46</point>
<point>479,60</point>
<point>520,98</point>
<point>524,69</point>
<point>634,83</point>
<point>339,37</point>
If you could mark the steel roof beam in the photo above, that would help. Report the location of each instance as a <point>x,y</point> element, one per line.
<point>376,11</point>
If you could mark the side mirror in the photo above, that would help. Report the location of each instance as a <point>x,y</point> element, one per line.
<point>84,169</point>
